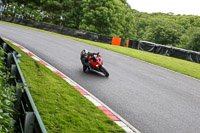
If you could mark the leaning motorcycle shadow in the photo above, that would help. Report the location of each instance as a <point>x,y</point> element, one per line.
<point>94,74</point>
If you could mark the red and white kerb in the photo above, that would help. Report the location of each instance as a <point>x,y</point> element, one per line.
<point>109,112</point>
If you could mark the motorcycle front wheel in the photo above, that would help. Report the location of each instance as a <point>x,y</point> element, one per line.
<point>105,72</point>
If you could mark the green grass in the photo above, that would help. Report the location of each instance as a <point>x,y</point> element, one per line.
<point>185,67</point>
<point>62,108</point>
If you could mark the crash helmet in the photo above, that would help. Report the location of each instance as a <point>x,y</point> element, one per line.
<point>84,53</point>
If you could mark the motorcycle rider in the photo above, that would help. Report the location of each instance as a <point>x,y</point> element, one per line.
<point>84,58</point>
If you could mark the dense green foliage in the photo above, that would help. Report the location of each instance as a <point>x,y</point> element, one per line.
<point>112,18</point>
<point>7,97</point>
<point>169,29</point>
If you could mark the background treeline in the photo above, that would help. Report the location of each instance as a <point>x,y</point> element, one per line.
<point>112,18</point>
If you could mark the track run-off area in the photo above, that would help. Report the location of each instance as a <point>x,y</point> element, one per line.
<point>151,98</point>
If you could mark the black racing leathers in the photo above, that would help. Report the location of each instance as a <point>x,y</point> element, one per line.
<point>84,59</point>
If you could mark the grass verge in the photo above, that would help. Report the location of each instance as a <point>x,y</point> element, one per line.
<point>185,67</point>
<point>62,108</point>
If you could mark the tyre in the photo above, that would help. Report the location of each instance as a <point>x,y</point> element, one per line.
<point>105,72</point>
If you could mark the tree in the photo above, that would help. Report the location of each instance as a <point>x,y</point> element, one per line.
<point>163,32</point>
<point>97,16</point>
<point>191,39</point>
<point>113,17</point>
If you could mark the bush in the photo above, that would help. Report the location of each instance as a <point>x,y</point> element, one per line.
<point>7,98</point>
<point>191,39</point>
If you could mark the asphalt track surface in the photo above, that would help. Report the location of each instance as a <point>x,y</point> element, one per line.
<point>151,98</point>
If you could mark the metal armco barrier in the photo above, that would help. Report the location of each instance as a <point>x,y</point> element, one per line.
<point>28,120</point>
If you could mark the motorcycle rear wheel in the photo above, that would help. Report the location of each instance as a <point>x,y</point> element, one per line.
<point>105,72</point>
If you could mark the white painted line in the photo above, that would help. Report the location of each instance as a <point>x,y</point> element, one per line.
<point>121,124</point>
<point>16,44</point>
<point>70,82</point>
<point>128,130</point>
<point>25,50</point>
<point>4,38</point>
<point>35,58</point>
<point>51,68</point>
<point>92,100</point>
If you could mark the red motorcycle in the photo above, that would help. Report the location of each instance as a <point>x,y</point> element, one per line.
<point>96,63</point>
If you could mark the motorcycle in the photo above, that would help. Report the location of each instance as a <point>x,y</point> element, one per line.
<point>96,63</point>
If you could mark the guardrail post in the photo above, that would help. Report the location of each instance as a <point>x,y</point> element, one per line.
<point>9,60</point>
<point>29,122</point>
<point>4,46</point>
<point>18,93</point>
<point>13,74</point>
<point>18,55</point>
